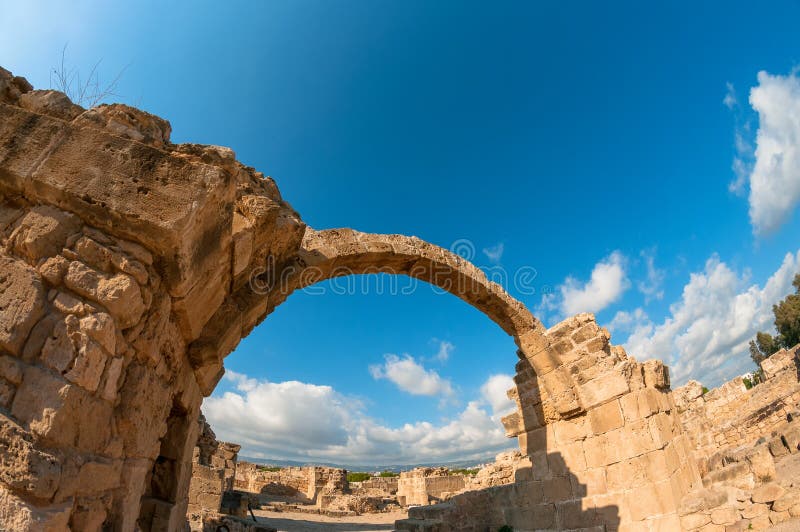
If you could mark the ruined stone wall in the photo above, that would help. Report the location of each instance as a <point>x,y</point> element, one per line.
<point>214,465</point>
<point>623,462</point>
<point>131,266</point>
<point>385,486</point>
<point>732,416</point>
<point>305,483</point>
<point>423,485</point>
<point>116,248</point>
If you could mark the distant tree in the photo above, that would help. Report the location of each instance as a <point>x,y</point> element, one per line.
<point>763,346</point>
<point>388,474</point>
<point>358,477</point>
<point>787,323</point>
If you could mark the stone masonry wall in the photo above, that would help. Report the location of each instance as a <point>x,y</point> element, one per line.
<point>731,416</point>
<point>423,485</point>
<point>131,266</point>
<point>623,464</point>
<point>116,248</point>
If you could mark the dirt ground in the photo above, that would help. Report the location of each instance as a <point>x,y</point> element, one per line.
<point>305,522</point>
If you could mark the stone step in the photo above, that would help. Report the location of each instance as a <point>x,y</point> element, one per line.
<point>418,525</point>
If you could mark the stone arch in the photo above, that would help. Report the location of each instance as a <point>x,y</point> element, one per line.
<point>333,253</point>
<point>132,266</point>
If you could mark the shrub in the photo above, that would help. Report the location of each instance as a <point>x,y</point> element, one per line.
<point>505,528</point>
<point>388,474</point>
<point>358,477</point>
<point>469,472</point>
<point>269,468</point>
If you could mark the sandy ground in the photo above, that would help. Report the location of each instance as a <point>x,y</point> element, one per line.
<point>788,472</point>
<point>303,522</point>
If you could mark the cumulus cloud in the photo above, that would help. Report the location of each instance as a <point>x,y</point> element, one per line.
<point>306,422</point>
<point>608,282</point>
<point>494,392</point>
<point>494,253</point>
<point>773,168</point>
<point>445,348</point>
<point>410,376</point>
<point>651,286</point>
<point>624,321</point>
<point>706,334</point>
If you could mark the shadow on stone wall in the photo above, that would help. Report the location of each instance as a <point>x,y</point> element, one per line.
<point>545,494</point>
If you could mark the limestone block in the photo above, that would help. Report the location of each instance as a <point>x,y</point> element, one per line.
<point>656,374</point>
<point>113,372</point>
<point>100,327</point>
<point>21,303</point>
<point>61,414</point>
<point>777,448</point>
<point>50,102</point>
<point>725,515</point>
<point>643,502</point>
<point>242,243</point>
<point>42,232</point>
<point>605,418</point>
<point>768,493</point>
<point>695,520</point>
<point>701,500</point>
<point>18,514</point>
<point>754,510</point>
<point>543,515</point>
<point>570,430</point>
<point>779,517</point>
<point>119,293</point>
<point>787,500</point>
<point>53,269</point>
<point>88,514</point>
<point>603,388</point>
<point>22,466</point>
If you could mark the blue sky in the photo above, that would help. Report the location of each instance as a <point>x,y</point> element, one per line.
<point>595,144</point>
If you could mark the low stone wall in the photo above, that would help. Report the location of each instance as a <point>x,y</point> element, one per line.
<point>214,465</point>
<point>423,485</point>
<point>731,415</point>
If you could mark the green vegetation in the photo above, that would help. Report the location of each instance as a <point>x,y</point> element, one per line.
<point>358,477</point>
<point>705,390</point>
<point>268,468</point>
<point>388,474</point>
<point>747,383</point>
<point>469,472</point>
<point>505,528</point>
<point>787,323</point>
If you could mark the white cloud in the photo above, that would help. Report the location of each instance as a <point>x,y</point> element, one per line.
<point>730,99</point>
<point>445,348</point>
<point>774,174</point>
<point>608,282</point>
<point>624,321</point>
<point>651,287</point>
<point>494,253</point>
<point>706,335</point>
<point>411,377</point>
<point>298,421</point>
<point>494,392</point>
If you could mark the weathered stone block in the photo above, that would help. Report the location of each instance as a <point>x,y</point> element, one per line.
<point>606,417</point>
<point>21,303</point>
